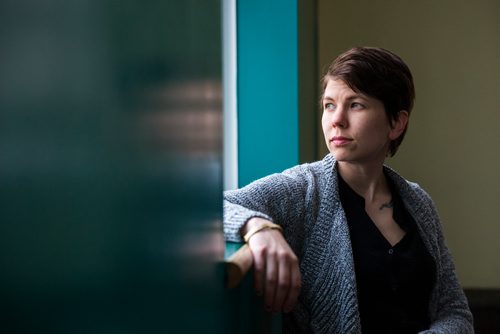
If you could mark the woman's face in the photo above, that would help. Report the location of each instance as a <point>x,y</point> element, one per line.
<point>355,126</point>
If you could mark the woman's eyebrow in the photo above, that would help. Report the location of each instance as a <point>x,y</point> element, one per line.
<point>349,97</point>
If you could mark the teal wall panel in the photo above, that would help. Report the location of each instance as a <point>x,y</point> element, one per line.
<point>268,114</point>
<point>267,40</point>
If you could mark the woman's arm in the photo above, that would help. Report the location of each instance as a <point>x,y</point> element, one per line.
<point>280,199</point>
<point>450,311</point>
<point>276,267</point>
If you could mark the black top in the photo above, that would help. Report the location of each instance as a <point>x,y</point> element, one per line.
<point>394,283</point>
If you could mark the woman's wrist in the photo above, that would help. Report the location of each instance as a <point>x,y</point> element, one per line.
<point>256,225</point>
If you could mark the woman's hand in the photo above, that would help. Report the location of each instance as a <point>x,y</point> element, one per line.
<point>276,269</point>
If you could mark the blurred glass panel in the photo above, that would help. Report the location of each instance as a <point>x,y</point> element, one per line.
<point>110,166</point>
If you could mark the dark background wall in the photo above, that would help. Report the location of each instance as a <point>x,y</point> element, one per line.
<point>451,147</point>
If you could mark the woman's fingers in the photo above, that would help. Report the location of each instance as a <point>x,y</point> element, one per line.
<point>272,271</point>
<point>259,258</point>
<point>295,286</point>
<point>283,282</point>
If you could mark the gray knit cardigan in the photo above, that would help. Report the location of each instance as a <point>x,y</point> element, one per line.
<point>304,200</point>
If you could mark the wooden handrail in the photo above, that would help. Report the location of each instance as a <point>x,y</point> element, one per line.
<point>237,265</point>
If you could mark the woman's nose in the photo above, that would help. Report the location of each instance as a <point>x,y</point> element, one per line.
<point>339,118</point>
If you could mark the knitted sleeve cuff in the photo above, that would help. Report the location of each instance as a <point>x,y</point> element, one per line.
<point>235,216</point>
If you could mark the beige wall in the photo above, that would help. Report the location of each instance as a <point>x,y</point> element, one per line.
<point>453,145</point>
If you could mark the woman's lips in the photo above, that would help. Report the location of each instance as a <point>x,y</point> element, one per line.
<point>340,141</point>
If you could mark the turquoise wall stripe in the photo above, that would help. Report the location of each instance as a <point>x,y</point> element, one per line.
<point>268,110</point>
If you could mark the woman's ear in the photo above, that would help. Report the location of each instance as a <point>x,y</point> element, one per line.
<point>399,124</point>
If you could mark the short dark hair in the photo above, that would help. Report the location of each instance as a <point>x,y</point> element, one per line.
<point>378,73</point>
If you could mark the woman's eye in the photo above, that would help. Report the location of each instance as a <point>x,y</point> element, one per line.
<point>329,106</point>
<point>356,105</point>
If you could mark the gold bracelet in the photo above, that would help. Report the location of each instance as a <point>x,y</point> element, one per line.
<point>264,226</point>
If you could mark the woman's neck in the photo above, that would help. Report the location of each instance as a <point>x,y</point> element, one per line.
<point>367,181</point>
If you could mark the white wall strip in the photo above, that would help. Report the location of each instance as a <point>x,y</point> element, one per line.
<point>230,116</point>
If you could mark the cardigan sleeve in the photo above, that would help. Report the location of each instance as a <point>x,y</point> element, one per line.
<point>235,216</point>
<point>452,314</point>
<point>450,311</point>
<point>279,197</point>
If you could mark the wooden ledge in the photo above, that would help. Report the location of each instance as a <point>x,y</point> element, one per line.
<point>237,266</point>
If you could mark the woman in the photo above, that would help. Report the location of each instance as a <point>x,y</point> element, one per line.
<point>345,244</point>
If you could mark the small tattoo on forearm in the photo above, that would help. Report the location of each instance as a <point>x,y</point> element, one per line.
<point>389,205</point>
